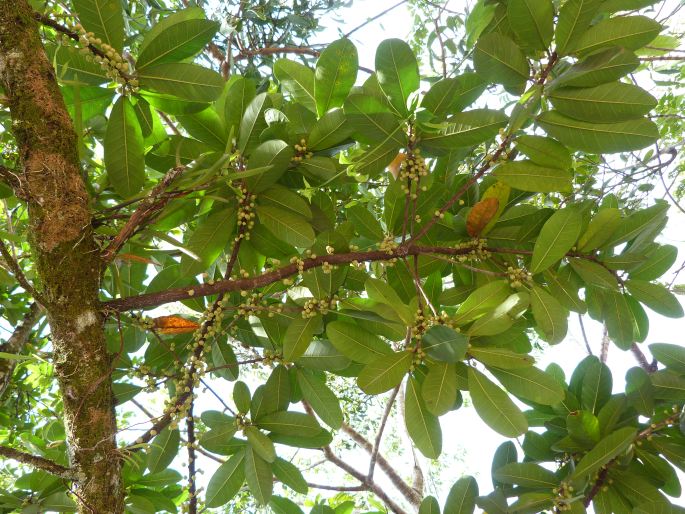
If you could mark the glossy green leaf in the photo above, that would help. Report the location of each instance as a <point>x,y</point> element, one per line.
<point>105,18</point>
<point>290,475</point>
<point>355,342</point>
<point>467,128</point>
<point>596,385</point>
<point>451,95</point>
<point>607,103</point>
<point>600,137</point>
<point>124,150</point>
<point>260,443</point>
<point>659,262</point>
<point>422,426</point>
<point>385,372</point>
<point>544,151</point>
<point>336,72</point>
<point>324,402</point>
<point>631,32</point>
<point>429,505</point>
<point>298,80</point>
<point>608,448</point>
<point>619,319</point>
<point>550,316</point>
<point>381,292</point>
<point>462,496</point>
<point>482,300</point>
<point>444,344</point>
<point>286,226</point>
<point>532,22</point>
<point>501,357</point>
<point>526,474</point>
<point>208,240</point>
<point>494,406</point>
<point>558,235</point>
<point>439,388</point>
<point>298,335</point>
<point>258,476</point>
<point>656,297</point>
<point>290,423</point>
<point>163,449</point>
<point>530,383</point>
<point>594,273</point>
<point>330,129</point>
<point>177,42</point>
<point>184,80</point>
<point>371,121</point>
<point>598,232</point>
<point>241,397</point>
<point>527,176</point>
<point>574,18</point>
<point>599,68</point>
<point>397,72</point>
<point>499,60</point>
<point>670,355</point>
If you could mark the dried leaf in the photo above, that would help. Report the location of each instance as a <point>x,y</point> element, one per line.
<point>394,166</point>
<point>480,215</point>
<point>174,325</point>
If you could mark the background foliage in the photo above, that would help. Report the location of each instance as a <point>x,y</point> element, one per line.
<point>343,243</point>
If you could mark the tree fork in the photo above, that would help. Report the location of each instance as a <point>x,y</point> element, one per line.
<point>67,257</point>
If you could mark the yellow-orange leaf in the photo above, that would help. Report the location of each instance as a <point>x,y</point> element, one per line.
<point>480,215</point>
<point>174,325</point>
<point>394,166</point>
<point>134,258</point>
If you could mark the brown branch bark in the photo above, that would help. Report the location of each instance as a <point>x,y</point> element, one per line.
<point>15,344</point>
<point>38,462</point>
<point>66,255</point>
<point>274,50</point>
<point>13,265</point>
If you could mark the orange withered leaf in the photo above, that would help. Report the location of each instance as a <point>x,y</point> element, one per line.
<point>480,215</point>
<point>174,325</point>
<point>134,258</point>
<point>394,166</point>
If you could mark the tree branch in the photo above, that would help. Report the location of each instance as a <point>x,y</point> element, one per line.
<point>642,360</point>
<point>272,50</point>
<point>16,343</point>
<point>381,428</point>
<point>38,462</point>
<point>13,265</point>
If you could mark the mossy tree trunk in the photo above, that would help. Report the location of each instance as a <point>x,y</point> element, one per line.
<point>67,257</point>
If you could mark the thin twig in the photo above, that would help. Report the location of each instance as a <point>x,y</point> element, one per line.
<point>38,462</point>
<point>13,265</point>
<point>374,18</point>
<point>381,428</point>
<point>15,344</point>
<point>582,330</point>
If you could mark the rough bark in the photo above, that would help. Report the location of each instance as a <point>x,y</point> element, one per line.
<point>67,257</point>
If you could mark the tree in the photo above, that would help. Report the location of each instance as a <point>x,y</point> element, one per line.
<point>388,238</point>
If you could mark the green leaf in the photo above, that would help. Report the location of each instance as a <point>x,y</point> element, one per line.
<point>208,240</point>
<point>205,126</point>
<point>670,355</point>
<point>532,22</point>
<point>237,96</point>
<point>531,384</point>
<point>599,68</point>
<point>482,301</point>
<point>365,223</point>
<point>439,388</point>
<point>422,426</point>
<point>558,235</point>
<point>298,80</point>
<point>583,427</point>
<point>298,335</point>
<point>574,18</point>
<point>444,344</point>
<point>371,122</point>
<point>494,406</point>
<point>594,273</point>
<point>178,41</point>
<point>600,137</point>
<point>531,503</point>
<point>385,372</point>
<point>640,221</point>
<point>324,402</point>
<point>544,151</point>
<point>609,447</point>
<point>336,73</point>
<point>668,385</point>
<point>619,319</point>
<point>258,476</point>
<point>260,443</point>
<point>656,297</point>
<point>241,397</point>
<point>451,95</point>
<point>615,101</point>
<point>596,385</point>
<point>397,72</point>
<point>290,475</point>
<point>429,505</point>
<point>286,226</point>
<point>224,356</point>
<point>659,262</point>
<point>499,60</point>
<point>289,423</point>
<point>501,358</point>
<point>631,32</point>
<point>281,505</point>
<point>271,156</point>
<point>355,342</point>
<point>275,394</point>
<point>105,18</point>
<point>527,176</point>
<point>330,130</point>
<point>526,474</point>
<point>467,128</point>
<point>598,232</point>
<point>72,67</point>
<point>163,449</point>
<point>381,292</point>
<point>462,496</point>
<point>124,149</point>
<point>184,80</point>
<point>550,316</point>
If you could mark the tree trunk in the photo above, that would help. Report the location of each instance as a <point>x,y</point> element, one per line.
<point>67,256</point>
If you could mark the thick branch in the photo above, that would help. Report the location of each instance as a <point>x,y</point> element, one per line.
<point>15,344</point>
<point>38,462</point>
<point>642,359</point>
